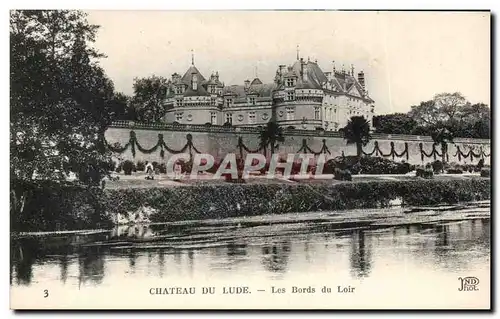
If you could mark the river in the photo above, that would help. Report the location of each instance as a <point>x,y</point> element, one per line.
<point>368,249</point>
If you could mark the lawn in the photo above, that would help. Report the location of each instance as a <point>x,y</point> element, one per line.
<point>138,180</point>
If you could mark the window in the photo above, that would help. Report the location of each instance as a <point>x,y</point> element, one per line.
<point>251,100</point>
<point>213,118</point>
<point>229,118</point>
<point>212,101</point>
<point>179,89</point>
<point>251,117</point>
<point>290,113</point>
<point>178,102</point>
<point>330,114</point>
<point>289,82</point>
<point>229,102</point>
<point>316,113</point>
<point>290,96</point>
<point>211,89</point>
<point>178,117</point>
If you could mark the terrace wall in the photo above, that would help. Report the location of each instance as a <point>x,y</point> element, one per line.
<point>219,141</point>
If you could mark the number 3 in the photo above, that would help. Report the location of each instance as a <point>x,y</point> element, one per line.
<point>46,293</point>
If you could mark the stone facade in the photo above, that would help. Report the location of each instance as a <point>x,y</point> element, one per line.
<point>302,96</point>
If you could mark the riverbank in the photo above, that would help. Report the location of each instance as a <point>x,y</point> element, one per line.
<point>210,201</point>
<point>81,208</point>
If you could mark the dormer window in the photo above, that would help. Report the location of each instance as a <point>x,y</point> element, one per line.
<point>251,100</point>
<point>179,89</point>
<point>229,102</point>
<point>290,82</point>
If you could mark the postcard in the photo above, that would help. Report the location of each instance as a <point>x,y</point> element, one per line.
<point>250,160</point>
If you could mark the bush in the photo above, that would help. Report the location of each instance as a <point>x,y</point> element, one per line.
<point>480,165</point>
<point>455,170</point>
<point>424,172</point>
<point>119,168</point>
<point>128,167</point>
<point>141,166</point>
<point>233,200</point>
<point>437,166</point>
<point>368,165</point>
<point>485,172</point>
<point>342,175</point>
<point>163,168</point>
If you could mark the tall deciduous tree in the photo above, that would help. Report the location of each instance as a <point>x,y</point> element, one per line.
<point>60,100</point>
<point>357,131</point>
<point>149,98</point>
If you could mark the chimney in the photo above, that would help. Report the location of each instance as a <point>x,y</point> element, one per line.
<point>247,84</point>
<point>361,79</point>
<point>303,74</point>
<point>195,82</point>
<point>217,75</point>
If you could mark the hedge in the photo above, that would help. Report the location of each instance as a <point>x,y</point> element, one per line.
<point>235,200</point>
<point>53,207</point>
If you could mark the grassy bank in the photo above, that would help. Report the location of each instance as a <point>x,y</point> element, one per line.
<point>79,208</point>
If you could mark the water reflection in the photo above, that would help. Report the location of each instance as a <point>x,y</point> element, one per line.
<point>360,255</point>
<point>192,250</point>
<point>275,256</point>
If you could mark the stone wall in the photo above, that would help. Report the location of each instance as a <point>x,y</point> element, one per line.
<point>218,141</point>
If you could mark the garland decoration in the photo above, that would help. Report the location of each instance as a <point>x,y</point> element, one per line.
<point>133,142</point>
<point>305,148</point>
<point>434,153</point>
<point>470,154</point>
<point>378,152</point>
<point>242,147</point>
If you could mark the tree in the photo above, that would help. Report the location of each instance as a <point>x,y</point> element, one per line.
<point>271,134</point>
<point>149,97</point>
<point>61,102</point>
<point>357,131</point>
<point>442,137</point>
<point>397,123</point>
<point>443,108</point>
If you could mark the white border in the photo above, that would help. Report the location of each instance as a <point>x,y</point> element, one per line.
<point>199,5</point>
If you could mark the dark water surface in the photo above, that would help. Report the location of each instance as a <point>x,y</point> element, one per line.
<point>357,245</point>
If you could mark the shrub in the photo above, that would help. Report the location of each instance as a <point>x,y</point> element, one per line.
<point>480,165</point>
<point>223,201</point>
<point>342,175</point>
<point>119,168</point>
<point>128,167</point>
<point>485,172</point>
<point>455,170</point>
<point>424,172</point>
<point>141,166</point>
<point>163,168</point>
<point>437,166</point>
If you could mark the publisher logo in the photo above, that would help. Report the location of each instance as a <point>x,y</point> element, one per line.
<point>468,284</point>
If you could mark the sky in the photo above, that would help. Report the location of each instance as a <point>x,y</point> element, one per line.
<point>407,57</point>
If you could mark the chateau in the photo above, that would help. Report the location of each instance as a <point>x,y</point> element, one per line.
<point>302,96</point>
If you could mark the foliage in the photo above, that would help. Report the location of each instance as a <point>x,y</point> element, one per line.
<point>128,167</point>
<point>397,123</point>
<point>357,131</point>
<point>367,165</point>
<point>148,98</point>
<point>437,166</point>
<point>342,174</point>
<point>235,200</point>
<point>271,134</point>
<point>61,102</point>
<point>485,172</point>
<point>140,166</point>
<point>454,170</point>
<point>424,172</point>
